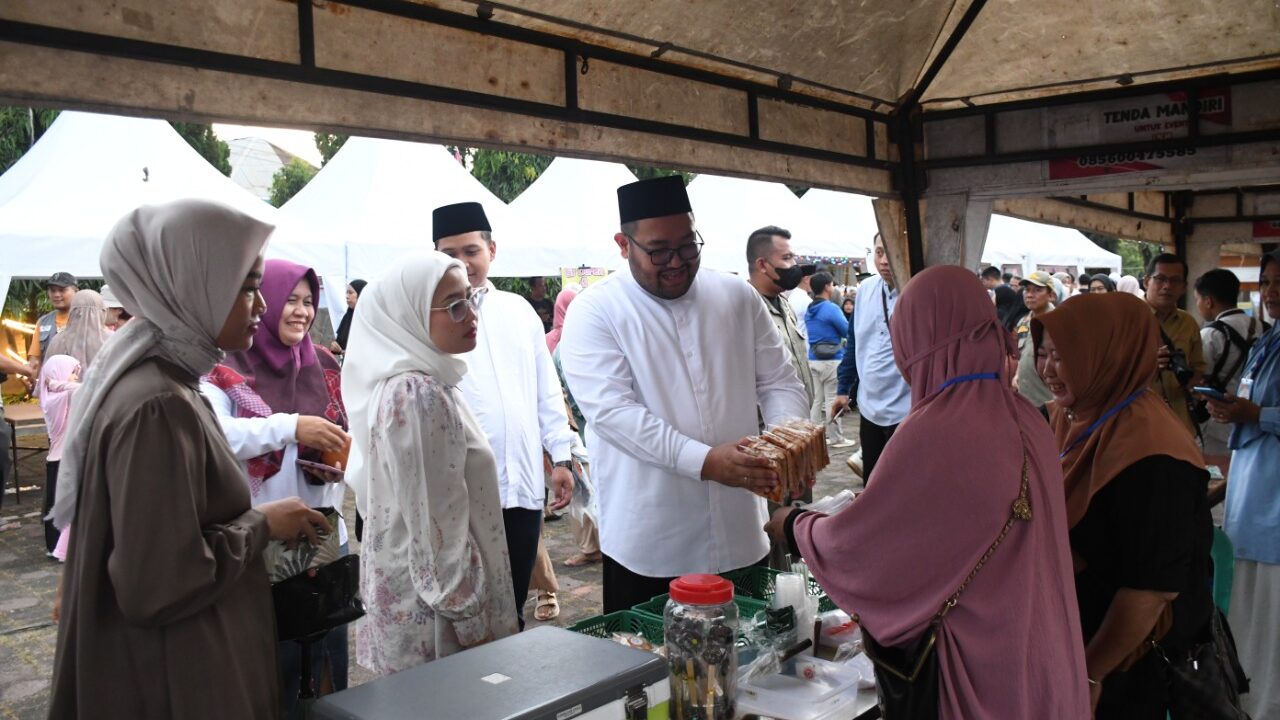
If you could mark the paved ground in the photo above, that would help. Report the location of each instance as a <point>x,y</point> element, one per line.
<point>28,581</point>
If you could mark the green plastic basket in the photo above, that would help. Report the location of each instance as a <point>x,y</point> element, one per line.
<point>747,607</point>
<point>627,621</point>
<point>759,582</point>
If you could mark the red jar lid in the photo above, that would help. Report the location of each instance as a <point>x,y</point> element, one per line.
<point>701,590</point>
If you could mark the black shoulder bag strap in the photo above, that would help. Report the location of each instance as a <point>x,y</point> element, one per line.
<point>1218,379</point>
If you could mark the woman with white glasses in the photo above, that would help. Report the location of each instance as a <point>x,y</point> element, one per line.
<point>435,573</point>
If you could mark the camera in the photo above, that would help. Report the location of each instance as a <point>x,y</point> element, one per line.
<point>1179,366</point>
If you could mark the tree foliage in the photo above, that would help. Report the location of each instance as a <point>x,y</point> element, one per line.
<point>289,180</point>
<point>522,286</point>
<point>206,142</point>
<point>1134,254</point>
<point>505,173</point>
<point>20,128</point>
<point>646,172</point>
<point>329,144</point>
<point>28,300</point>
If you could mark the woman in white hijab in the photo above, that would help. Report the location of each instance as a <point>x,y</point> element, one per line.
<point>166,610</point>
<point>1129,284</point>
<point>434,569</point>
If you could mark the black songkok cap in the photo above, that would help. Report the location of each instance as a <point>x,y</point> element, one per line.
<point>658,197</point>
<point>459,218</point>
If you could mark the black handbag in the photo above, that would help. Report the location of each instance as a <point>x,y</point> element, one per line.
<point>1206,682</point>
<point>907,676</point>
<point>318,600</point>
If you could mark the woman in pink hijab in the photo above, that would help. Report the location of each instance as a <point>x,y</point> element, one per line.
<point>565,297</point>
<point>971,459</point>
<point>59,379</point>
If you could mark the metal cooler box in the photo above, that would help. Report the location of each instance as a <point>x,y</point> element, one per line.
<point>542,674</point>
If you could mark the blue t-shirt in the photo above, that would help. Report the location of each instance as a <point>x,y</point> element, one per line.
<point>826,324</point>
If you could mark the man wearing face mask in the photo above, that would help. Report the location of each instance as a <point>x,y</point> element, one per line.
<point>774,271</point>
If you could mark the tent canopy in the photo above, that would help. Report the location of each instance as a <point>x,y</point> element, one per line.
<point>378,196</point>
<point>852,214</point>
<point>1011,241</point>
<point>59,201</point>
<point>728,210</point>
<point>567,218</point>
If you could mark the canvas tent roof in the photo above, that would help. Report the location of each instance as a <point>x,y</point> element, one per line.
<point>729,209</point>
<point>59,201</point>
<point>879,49</point>
<point>573,209</point>
<point>378,195</point>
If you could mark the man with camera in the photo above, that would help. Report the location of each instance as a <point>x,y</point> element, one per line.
<point>1181,357</point>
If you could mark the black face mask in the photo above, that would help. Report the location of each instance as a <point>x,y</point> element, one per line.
<point>789,278</point>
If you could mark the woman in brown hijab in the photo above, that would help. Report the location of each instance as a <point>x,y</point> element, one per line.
<point>1135,484</point>
<point>166,610</point>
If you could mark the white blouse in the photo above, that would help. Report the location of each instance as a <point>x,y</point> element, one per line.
<point>435,574</point>
<point>251,437</point>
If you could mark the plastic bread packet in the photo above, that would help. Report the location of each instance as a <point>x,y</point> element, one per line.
<point>832,504</point>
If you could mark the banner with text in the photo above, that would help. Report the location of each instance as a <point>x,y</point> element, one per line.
<point>1132,120</point>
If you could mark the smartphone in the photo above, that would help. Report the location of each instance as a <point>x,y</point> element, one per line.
<point>1210,393</point>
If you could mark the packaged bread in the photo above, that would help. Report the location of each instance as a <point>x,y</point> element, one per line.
<point>796,450</point>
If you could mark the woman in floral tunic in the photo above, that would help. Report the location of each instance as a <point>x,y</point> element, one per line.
<point>435,574</point>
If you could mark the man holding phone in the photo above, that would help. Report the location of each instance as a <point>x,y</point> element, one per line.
<point>1227,338</point>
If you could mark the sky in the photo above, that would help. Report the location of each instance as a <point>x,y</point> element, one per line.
<point>299,142</point>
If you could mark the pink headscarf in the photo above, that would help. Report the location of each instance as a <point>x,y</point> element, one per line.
<point>565,297</point>
<point>1012,647</point>
<point>56,389</point>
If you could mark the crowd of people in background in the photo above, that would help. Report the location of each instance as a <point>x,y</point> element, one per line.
<point>1054,445</point>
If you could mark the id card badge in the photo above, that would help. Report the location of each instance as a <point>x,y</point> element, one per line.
<point>1246,389</point>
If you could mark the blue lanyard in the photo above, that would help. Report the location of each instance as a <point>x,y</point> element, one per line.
<point>968,378</point>
<point>1098,423</point>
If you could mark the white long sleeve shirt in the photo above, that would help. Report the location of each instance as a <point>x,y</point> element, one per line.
<point>660,382</point>
<point>512,388</point>
<point>251,437</point>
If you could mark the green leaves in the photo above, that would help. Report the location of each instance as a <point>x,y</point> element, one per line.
<point>206,142</point>
<point>329,144</point>
<point>20,127</point>
<point>290,179</point>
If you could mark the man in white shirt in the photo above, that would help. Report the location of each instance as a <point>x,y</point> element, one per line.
<point>668,366</point>
<point>800,300</point>
<point>884,398</point>
<point>513,390</point>
<point>1227,336</point>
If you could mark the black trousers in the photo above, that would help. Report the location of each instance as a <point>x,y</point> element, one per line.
<point>50,489</point>
<point>624,589</point>
<point>873,438</point>
<point>524,527</point>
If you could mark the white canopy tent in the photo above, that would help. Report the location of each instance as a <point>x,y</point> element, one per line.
<point>1011,241</point>
<point>572,208</point>
<point>59,201</point>
<point>729,209</point>
<point>378,195</point>
<point>852,214</point>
